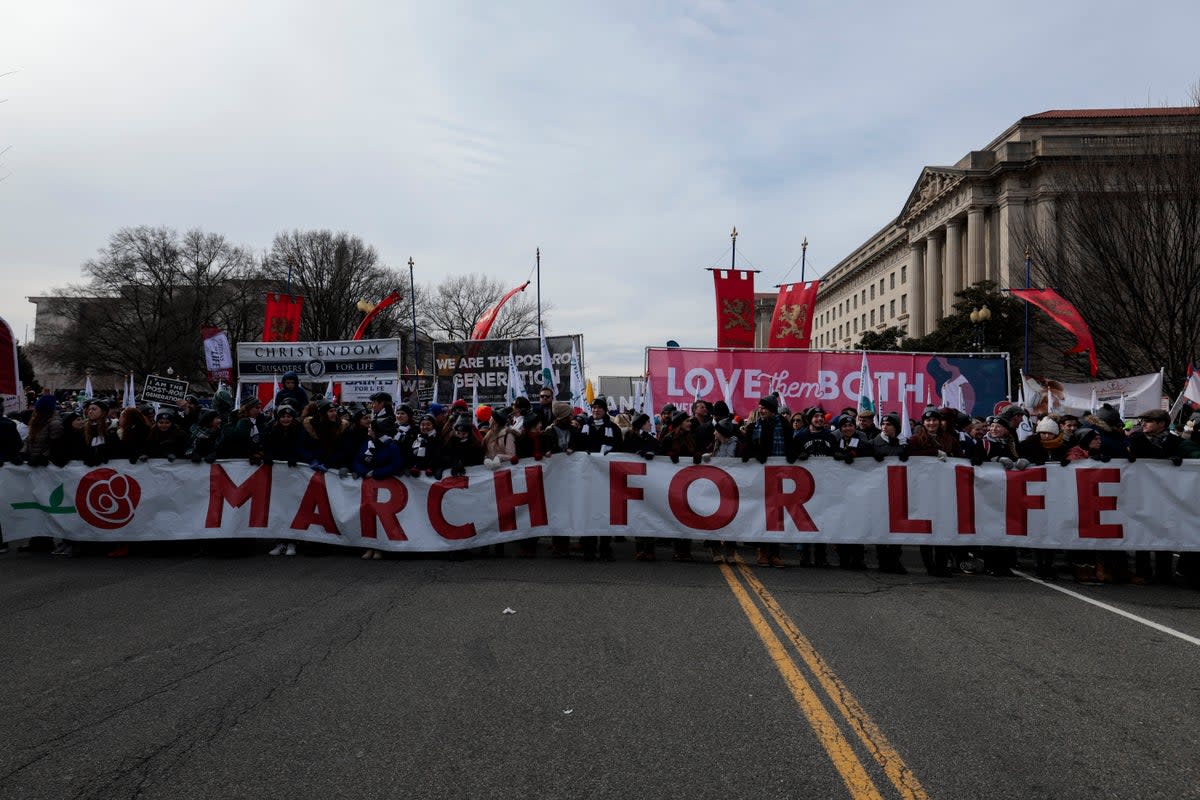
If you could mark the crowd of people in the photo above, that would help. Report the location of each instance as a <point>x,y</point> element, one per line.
<point>385,440</point>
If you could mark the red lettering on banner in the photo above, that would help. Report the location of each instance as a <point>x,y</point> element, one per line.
<point>372,510</point>
<point>620,492</point>
<point>727,508</point>
<point>964,489</point>
<point>777,501</point>
<point>222,490</point>
<point>1019,502</point>
<point>898,521</point>
<point>434,507</point>
<point>1091,503</point>
<point>507,500</point>
<point>314,507</point>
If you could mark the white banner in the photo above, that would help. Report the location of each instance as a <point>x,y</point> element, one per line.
<point>1148,505</point>
<point>361,391</point>
<point>319,361</point>
<point>1142,393</point>
<point>218,357</point>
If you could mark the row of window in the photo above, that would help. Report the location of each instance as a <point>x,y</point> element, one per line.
<point>851,303</point>
<point>861,323</point>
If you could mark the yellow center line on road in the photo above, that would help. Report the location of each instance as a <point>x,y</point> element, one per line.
<point>860,721</point>
<point>839,749</point>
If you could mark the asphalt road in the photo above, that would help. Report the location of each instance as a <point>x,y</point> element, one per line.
<point>175,678</point>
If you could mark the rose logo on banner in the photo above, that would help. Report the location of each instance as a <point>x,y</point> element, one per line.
<point>106,499</point>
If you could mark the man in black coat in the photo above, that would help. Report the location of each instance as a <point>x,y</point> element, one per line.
<point>1154,440</point>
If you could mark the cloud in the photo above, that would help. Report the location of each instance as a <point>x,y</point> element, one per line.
<point>624,139</point>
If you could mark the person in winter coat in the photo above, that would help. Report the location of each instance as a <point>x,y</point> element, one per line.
<point>1109,427</point>
<point>10,443</point>
<point>499,443</point>
<point>406,427</point>
<point>282,441</point>
<point>205,437</point>
<point>133,435</point>
<point>851,444</point>
<point>680,440</point>
<point>424,450</point>
<point>351,443</point>
<point>100,441</point>
<point>246,437</point>
<point>886,444</point>
<point>598,434</point>
<point>165,439</point>
<point>766,437</point>
<point>43,445</point>
<point>1046,446</point>
<point>1153,440</point>
<point>815,439</point>
<point>461,448</point>
<point>383,415</point>
<point>639,440</point>
<point>290,391</point>
<point>190,413</point>
<point>323,429</point>
<point>564,433</point>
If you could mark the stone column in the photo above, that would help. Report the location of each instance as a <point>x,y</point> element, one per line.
<point>953,263</point>
<point>975,245</point>
<point>916,289</point>
<point>933,281</point>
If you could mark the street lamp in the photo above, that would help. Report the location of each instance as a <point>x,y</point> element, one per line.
<point>979,318</point>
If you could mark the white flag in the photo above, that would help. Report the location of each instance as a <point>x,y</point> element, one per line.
<point>474,399</point>
<point>548,376</point>
<point>454,393</point>
<point>866,388</point>
<point>578,384</point>
<point>516,386</point>
<point>87,388</point>
<point>1191,390</point>
<point>329,392</point>
<point>275,390</point>
<point>648,399</point>
<point>1121,409</point>
<point>905,423</point>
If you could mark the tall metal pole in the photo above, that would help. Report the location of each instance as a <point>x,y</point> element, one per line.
<point>412,293</point>
<point>539,289</point>
<point>803,257</point>
<point>1028,268</point>
<point>733,254</point>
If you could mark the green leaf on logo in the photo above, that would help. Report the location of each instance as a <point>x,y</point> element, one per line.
<point>56,497</point>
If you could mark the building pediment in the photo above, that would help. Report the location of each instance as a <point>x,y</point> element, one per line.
<point>934,184</point>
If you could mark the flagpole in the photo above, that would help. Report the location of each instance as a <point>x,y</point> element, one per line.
<point>733,252</point>
<point>803,257</point>
<point>412,291</point>
<point>1028,278</point>
<point>538,256</point>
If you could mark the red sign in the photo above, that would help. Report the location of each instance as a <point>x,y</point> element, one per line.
<point>735,307</point>
<point>791,324</point>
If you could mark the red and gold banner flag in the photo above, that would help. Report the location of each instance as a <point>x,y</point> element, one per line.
<point>282,323</point>
<point>735,307</point>
<point>791,324</point>
<point>1066,315</point>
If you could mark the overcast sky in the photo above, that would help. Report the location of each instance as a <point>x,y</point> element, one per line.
<point>623,138</point>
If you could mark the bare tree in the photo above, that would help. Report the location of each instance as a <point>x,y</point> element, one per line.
<point>453,307</point>
<point>147,295</point>
<point>334,271</point>
<point>1125,250</point>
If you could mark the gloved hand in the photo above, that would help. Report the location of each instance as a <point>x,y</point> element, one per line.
<point>1021,463</point>
<point>196,458</point>
<point>142,459</point>
<point>343,473</point>
<point>1177,460</point>
<point>170,458</point>
<point>904,456</point>
<point>647,454</point>
<point>745,458</point>
<point>438,473</point>
<point>790,458</point>
<point>211,458</point>
<point>1132,458</point>
<point>674,458</point>
<point>707,457</point>
<point>976,460</point>
<point>268,461</point>
<point>537,456</point>
<point>18,460</point>
<point>1064,462</point>
<point>458,470</point>
<point>513,460</point>
<point>255,461</point>
<point>1105,458</point>
<point>416,471</point>
<point>762,458</point>
<point>1005,462</point>
<point>133,460</point>
<point>697,458</point>
<point>941,455</point>
<point>802,455</point>
<point>879,457</point>
<point>317,466</point>
<point>605,449</point>
<point>291,462</point>
<point>848,458</point>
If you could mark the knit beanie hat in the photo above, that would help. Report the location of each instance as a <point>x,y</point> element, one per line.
<point>1047,425</point>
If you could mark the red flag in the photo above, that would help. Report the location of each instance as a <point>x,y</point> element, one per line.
<point>791,324</point>
<point>735,307</point>
<point>1065,315</point>
<point>282,323</point>
<point>484,324</point>
<point>9,372</point>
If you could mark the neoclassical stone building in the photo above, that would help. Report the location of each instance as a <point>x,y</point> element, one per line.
<point>970,221</point>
